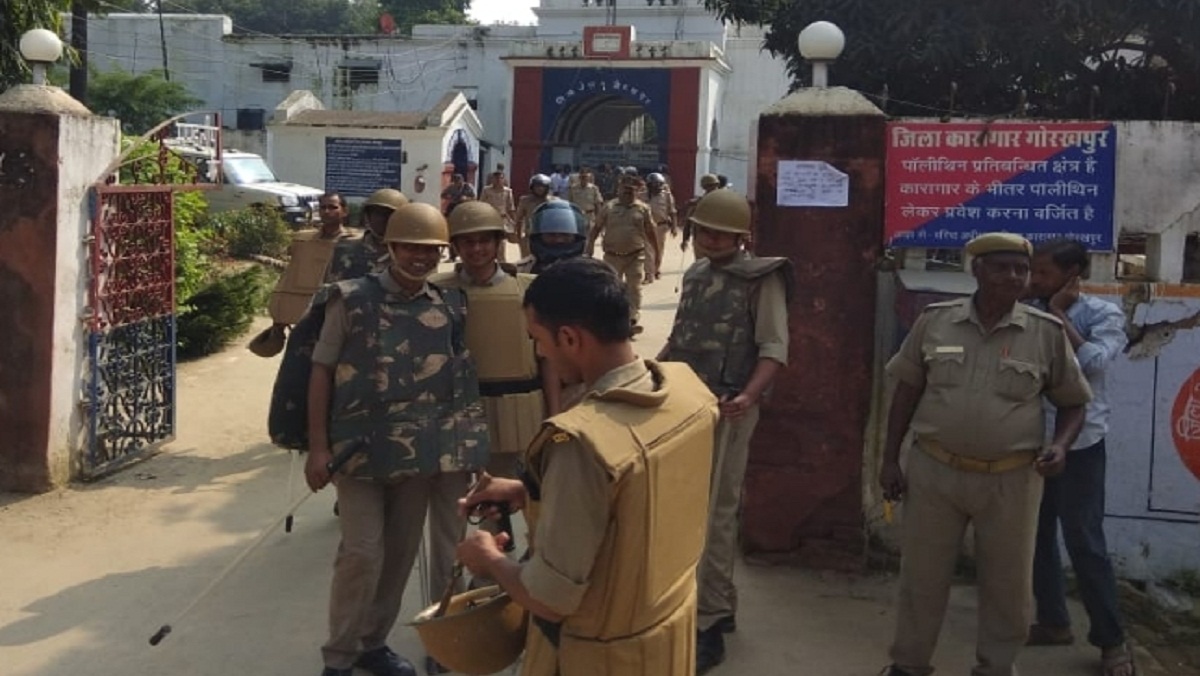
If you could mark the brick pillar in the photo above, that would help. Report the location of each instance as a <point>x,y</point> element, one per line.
<point>52,150</point>
<point>804,484</point>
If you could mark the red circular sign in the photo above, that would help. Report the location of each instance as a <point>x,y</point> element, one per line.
<point>1185,423</point>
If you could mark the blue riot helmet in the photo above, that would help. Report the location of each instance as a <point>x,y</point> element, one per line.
<point>556,217</point>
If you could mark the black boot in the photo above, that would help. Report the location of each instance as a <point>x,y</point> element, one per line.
<point>382,661</point>
<point>710,649</point>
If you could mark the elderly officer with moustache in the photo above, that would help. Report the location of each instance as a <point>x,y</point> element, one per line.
<point>971,376</point>
<point>614,491</point>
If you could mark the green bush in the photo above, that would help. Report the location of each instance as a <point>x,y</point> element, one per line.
<point>221,312</point>
<point>253,231</point>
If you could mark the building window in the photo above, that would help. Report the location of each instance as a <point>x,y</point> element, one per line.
<point>355,74</point>
<point>275,72</point>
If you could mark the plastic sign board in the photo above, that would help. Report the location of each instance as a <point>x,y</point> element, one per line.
<point>949,182</point>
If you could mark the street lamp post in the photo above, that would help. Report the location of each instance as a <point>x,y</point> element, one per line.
<point>40,47</point>
<point>821,42</point>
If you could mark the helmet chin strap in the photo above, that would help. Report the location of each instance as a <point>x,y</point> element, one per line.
<point>402,273</point>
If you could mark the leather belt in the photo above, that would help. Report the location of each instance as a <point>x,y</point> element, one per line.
<point>623,255</point>
<point>502,388</point>
<point>961,462</point>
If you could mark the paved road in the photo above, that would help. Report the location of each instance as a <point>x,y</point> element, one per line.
<point>92,571</point>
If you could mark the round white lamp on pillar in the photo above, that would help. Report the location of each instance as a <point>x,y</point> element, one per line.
<point>40,48</point>
<point>821,42</point>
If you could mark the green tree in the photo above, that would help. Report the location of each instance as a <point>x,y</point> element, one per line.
<point>139,101</point>
<point>409,13</point>
<point>1071,58</point>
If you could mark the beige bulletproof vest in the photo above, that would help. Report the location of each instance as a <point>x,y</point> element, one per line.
<point>304,274</point>
<point>638,616</point>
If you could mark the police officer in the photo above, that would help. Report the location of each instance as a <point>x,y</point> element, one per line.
<point>500,196</point>
<point>406,395</point>
<point>731,327</point>
<point>586,195</point>
<point>610,582</point>
<point>662,210</point>
<point>708,183</point>
<point>309,257</point>
<point>628,231</point>
<point>360,256</point>
<point>539,194</point>
<point>517,394</point>
<point>558,230</point>
<point>971,376</point>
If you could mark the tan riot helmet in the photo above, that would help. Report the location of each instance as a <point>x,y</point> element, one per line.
<point>482,632</point>
<point>389,198</point>
<point>709,181</point>
<point>475,216</point>
<point>723,210</point>
<point>417,223</point>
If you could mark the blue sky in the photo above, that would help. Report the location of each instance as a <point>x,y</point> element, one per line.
<point>491,11</point>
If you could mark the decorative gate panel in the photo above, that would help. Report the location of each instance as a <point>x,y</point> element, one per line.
<point>130,395</point>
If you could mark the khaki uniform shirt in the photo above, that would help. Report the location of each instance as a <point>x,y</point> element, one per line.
<point>983,391</point>
<point>586,197</point>
<point>337,323</point>
<point>625,226</point>
<point>662,207</point>
<point>575,509</point>
<point>771,320</point>
<point>501,199</point>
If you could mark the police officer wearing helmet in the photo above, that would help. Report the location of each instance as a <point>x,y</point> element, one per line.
<point>517,394</point>
<point>731,327</point>
<point>558,230</point>
<point>539,194</point>
<point>406,396</point>
<point>662,210</point>
<point>360,256</point>
<point>708,183</point>
<point>608,594</point>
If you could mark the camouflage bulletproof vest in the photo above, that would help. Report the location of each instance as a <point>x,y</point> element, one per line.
<point>714,327</point>
<point>405,386</point>
<point>356,257</point>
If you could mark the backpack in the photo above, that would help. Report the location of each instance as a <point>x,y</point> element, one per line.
<point>287,421</point>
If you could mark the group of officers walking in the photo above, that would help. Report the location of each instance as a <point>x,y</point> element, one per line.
<point>488,390</point>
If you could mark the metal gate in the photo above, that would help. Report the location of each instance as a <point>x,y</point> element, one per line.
<point>129,375</point>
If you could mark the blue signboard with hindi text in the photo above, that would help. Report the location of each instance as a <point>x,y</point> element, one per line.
<point>357,167</point>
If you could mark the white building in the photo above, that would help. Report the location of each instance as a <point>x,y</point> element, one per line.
<point>667,82</point>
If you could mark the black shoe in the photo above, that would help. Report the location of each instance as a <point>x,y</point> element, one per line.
<point>893,670</point>
<point>433,667</point>
<point>330,671</point>
<point>710,649</point>
<point>383,661</point>
<point>727,624</point>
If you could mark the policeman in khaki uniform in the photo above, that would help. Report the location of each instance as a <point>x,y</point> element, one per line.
<point>731,327</point>
<point>517,394</point>
<point>630,243</point>
<point>662,210</point>
<point>309,256</point>
<point>614,494</point>
<point>971,376</point>
<point>392,377</point>
<point>360,256</point>
<point>586,195</point>
<point>539,194</point>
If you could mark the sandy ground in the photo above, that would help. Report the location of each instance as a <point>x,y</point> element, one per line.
<point>93,570</point>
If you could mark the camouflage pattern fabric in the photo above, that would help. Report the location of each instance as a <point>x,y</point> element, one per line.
<point>405,386</point>
<point>714,325</point>
<point>355,257</point>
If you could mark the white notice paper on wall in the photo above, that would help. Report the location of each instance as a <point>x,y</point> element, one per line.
<point>811,184</point>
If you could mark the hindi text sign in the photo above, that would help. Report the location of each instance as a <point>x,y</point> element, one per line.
<point>949,182</point>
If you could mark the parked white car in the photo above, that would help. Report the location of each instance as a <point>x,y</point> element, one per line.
<point>247,180</point>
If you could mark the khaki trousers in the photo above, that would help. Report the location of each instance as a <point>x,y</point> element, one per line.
<point>631,270</point>
<point>941,501</point>
<point>382,525</point>
<point>731,449</point>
